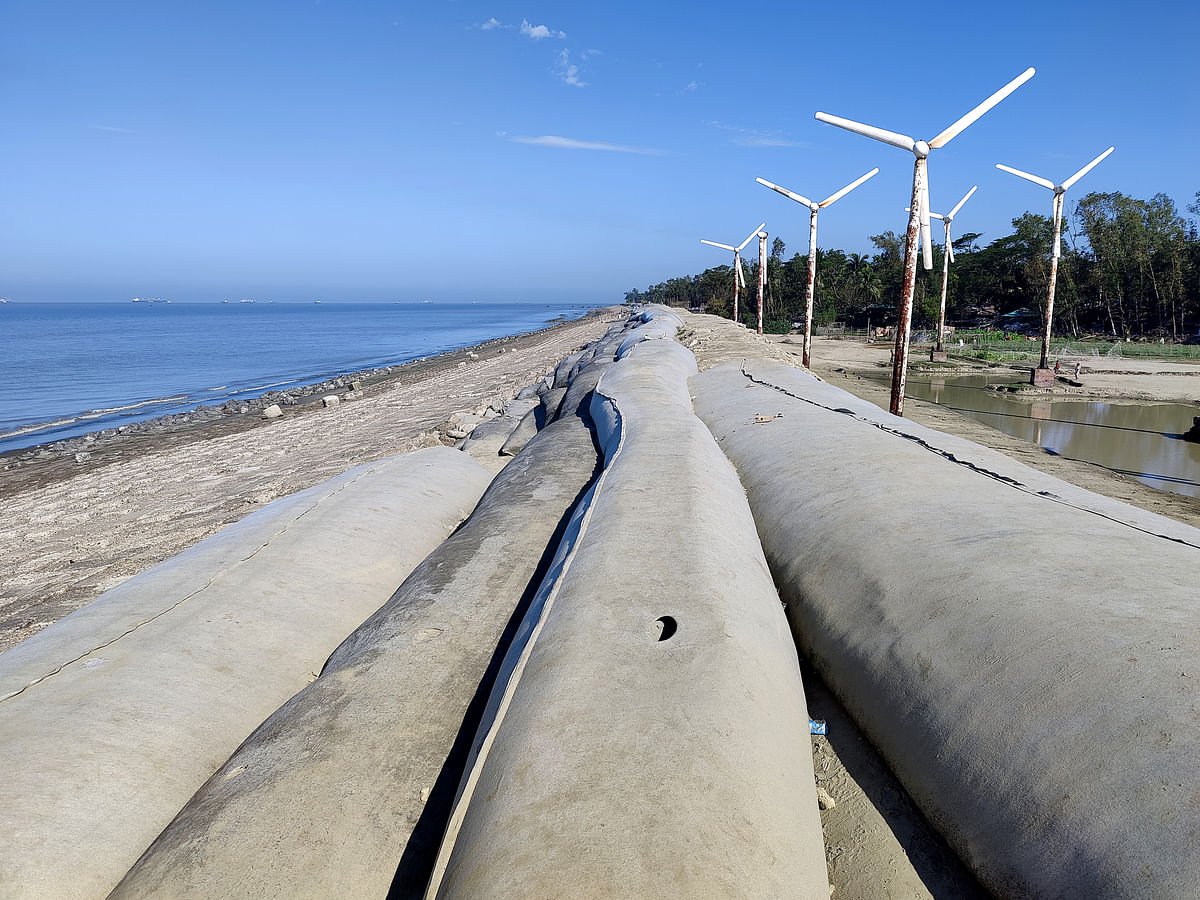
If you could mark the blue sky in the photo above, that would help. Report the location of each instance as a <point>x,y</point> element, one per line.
<point>462,150</point>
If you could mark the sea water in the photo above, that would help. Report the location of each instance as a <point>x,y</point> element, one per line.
<point>70,368</point>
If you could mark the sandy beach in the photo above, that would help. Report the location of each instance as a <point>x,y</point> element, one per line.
<point>71,530</point>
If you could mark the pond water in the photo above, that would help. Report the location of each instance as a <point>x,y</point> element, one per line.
<point>1141,440</point>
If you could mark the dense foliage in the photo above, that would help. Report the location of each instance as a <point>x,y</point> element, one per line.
<point>1129,268</point>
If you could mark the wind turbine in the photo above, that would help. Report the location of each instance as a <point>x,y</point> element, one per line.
<point>918,218</point>
<point>739,277</point>
<point>1059,190</point>
<point>947,258</point>
<point>812,245</point>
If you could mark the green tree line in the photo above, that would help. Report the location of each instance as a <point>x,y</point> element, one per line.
<point>1129,268</point>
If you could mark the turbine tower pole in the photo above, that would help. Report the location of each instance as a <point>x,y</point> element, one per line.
<point>812,282</point>
<point>904,318</point>
<point>941,331</point>
<point>762,275</point>
<point>1058,208</point>
<point>737,277</point>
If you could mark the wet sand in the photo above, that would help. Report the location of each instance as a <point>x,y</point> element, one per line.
<point>71,530</point>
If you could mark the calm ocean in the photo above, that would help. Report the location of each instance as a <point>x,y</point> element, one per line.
<point>70,368</point>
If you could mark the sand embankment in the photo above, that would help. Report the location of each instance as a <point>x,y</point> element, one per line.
<point>70,531</point>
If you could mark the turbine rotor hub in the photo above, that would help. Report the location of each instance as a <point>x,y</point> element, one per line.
<point>921,149</point>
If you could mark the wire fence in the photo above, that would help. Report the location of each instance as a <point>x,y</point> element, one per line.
<point>993,346</point>
<point>993,349</point>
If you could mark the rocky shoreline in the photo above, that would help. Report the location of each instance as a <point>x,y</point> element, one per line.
<point>239,413</point>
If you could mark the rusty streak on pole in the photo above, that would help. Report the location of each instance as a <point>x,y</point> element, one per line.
<point>904,319</point>
<point>812,282</point>
<point>762,274</point>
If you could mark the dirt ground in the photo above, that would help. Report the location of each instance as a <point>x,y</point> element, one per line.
<point>70,531</point>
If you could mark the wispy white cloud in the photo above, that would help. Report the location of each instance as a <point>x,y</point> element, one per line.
<point>564,68</point>
<point>566,143</point>
<point>692,86</point>
<point>757,137</point>
<point>568,71</point>
<point>540,32</point>
<point>112,128</point>
<point>764,139</point>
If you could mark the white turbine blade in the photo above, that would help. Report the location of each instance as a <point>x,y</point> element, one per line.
<point>1095,162</point>
<point>959,205</point>
<point>741,271</point>
<point>926,232</point>
<point>1035,179</point>
<point>715,244</point>
<point>833,198</point>
<point>782,190</point>
<point>970,118</point>
<point>903,141</point>
<point>950,133</point>
<point>949,246</point>
<point>753,235</point>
